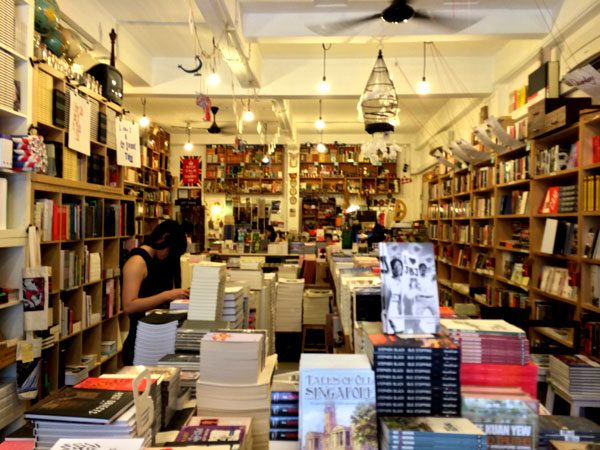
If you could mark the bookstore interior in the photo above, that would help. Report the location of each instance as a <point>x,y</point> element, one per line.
<point>216,215</point>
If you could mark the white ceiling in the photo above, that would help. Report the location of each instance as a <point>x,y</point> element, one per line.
<point>279,30</point>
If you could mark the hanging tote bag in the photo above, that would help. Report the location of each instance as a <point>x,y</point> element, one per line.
<point>35,286</point>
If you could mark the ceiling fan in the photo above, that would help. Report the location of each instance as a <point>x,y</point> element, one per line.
<point>214,128</point>
<point>398,11</point>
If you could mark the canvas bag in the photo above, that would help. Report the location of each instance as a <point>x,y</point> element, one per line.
<point>35,286</point>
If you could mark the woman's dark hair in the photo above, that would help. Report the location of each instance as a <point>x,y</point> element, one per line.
<point>169,234</point>
<point>273,235</point>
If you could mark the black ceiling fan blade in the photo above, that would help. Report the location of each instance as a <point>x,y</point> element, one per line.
<point>333,28</point>
<point>450,23</point>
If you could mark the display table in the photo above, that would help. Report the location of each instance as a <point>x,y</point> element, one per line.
<point>577,402</point>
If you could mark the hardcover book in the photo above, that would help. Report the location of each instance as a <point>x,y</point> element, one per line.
<point>212,434</point>
<point>409,294</point>
<point>337,402</point>
<point>82,406</point>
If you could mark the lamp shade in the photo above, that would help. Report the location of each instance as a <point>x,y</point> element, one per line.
<point>379,102</point>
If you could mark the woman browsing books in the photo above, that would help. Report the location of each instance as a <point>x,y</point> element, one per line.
<point>151,277</point>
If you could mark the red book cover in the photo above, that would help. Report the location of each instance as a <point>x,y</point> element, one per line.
<point>553,197</point>
<point>63,223</point>
<point>596,149</point>
<point>111,384</point>
<point>523,376</point>
<point>55,222</point>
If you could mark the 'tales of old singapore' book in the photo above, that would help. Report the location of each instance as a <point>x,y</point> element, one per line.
<point>82,405</point>
<point>337,402</point>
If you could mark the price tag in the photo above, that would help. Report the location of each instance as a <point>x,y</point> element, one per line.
<point>242,164</point>
<point>316,164</point>
<point>222,179</point>
<point>354,163</point>
<point>222,164</point>
<point>336,164</point>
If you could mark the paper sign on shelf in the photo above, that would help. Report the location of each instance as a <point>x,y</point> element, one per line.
<point>128,143</point>
<point>144,408</point>
<point>79,123</point>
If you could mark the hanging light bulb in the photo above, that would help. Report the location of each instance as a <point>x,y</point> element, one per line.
<point>266,160</point>
<point>324,85</point>
<point>144,121</point>
<point>188,146</point>
<point>319,124</point>
<point>423,87</point>
<point>321,148</point>
<point>248,115</point>
<point>213,79</point>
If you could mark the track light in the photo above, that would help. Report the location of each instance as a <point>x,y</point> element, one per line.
<point>144,121</point>
<point>423,87</point>
<point>324,85</point>
<point>213,79</point>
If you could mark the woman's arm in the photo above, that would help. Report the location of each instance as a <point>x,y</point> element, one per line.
<point>134,273</point>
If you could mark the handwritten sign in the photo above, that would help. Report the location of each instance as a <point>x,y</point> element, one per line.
<point>79,123</point>
<point>189,171</point>
<point>128,143</point>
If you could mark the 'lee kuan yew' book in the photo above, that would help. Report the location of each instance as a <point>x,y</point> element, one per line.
<point>337,402</point>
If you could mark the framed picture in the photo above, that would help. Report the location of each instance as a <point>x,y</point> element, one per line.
<point>183,194</point>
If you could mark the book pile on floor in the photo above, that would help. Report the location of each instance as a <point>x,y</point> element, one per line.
<point>284,411</point>
<point>337,391</point>
<point>84,413</point>
<point>207,291</point>
<point>566,428</point>
<point>507,415</point>
<point>233,306</point>
<point>155,338</point>
<point>414,376</point>
<point>575,374</point>
<point>222,433</point>
<point>315,306</point>
<point>189,365</point>
<point>254,278</point>
<point>493,353</point>
<point>11,408</point>
<point>191,332</point>
<point>222,393</point>
<point>288,309</point>
<point>443,433</point>
<point>169,384</point>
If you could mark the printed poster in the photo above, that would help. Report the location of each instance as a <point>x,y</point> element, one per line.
<point>409,293</point>
<point>79,123</point>
<point>190,172</point>
<point>128,143</point>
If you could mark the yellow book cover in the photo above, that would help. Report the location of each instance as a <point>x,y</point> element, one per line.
<point>585,194</point>
<point>597,192</point>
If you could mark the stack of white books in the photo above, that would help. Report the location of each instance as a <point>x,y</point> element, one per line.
<point>207,291</point>
<point>233,307</point>
<point>155,338</point>
<point>11,408</point>
<point>191,332</point>
<point>251,262</point>
<point>254,278</point>
<point>220,399</point>
<point>232,357</point>
<point>99,444</point>
<point>288,316</point>
<point>316,306</point>
<point>288,271</point>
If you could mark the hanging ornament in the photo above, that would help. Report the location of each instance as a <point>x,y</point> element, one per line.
<point>203,101</point>
<point>379,103</point>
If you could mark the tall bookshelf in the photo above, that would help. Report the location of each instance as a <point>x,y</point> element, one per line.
<point>516,236</point>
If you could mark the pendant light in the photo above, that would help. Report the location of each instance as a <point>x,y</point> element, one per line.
<point>319,123</point>
<point>248,114</point>
<point>379,102</point>
<point>324,85</point>
<point>423,87</point>
<point>144,121</point>
<point>188,145</point>
<point>321,147</point>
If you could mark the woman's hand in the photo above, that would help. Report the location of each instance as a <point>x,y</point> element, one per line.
<point>179,293</point>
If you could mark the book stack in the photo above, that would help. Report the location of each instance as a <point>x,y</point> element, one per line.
<point>219,399</point>
<point>155,338</point>
<point>566,428</point>
<point>254,278</point>
<point>560,199</point>
<point>288,315</point>
<point>315,306</point>
<point>326,417</point>
<point>233,306</point>
<point>235,358</point>
<point>234,433</point>
<point>284,416</point>
<point>191,332</point>
<point>11,408</point>
<point>559,237</point>
<point>507,415</point>
<point>84,414</point>
<point>575,374</point>
<point>488,341</point>
<point>207,291</point>
<point>169,384</point>
<point>431,433</point>
<point>413,376</point>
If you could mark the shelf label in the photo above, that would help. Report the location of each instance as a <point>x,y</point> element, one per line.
<point>242,164</point>
<point>528,146</point>
<point>222,179</point>
<point>354,163</point>
<point>316,164</point>
<point>335,164</point>
<point>222,164</point>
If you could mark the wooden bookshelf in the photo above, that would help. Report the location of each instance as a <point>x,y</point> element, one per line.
<point>443,224</point>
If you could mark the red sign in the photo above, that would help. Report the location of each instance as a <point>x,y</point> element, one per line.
<point>189,171</point>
